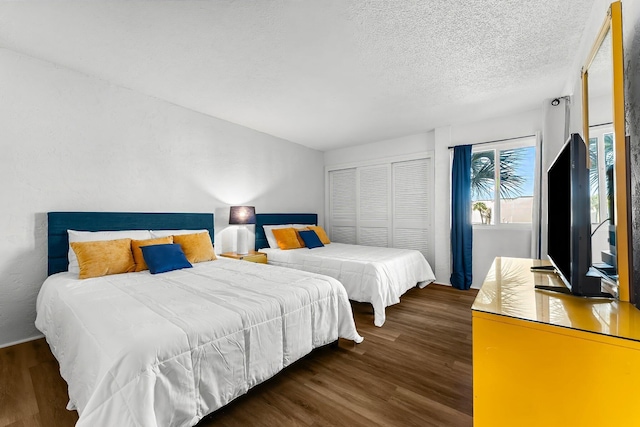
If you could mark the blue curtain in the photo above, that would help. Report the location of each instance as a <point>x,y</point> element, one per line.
<point>461,229</point>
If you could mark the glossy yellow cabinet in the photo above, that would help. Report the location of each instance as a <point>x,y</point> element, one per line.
<point>547,359</point>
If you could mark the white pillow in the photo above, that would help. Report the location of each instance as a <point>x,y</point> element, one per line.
<point>268,232</point>
<point>98,236</point>
<point>155,234</point>
<point>301,226</point>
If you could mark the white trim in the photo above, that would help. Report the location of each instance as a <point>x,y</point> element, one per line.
<point>536,217</point>
<point>600,132</point>
<point>357,222</point>
<point>22,341</point>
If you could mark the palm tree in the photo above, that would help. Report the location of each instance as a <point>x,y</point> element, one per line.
<point>483,174</point>
<point>594,179</point>
<point>484,210</point>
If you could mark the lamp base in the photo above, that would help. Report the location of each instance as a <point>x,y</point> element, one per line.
<point>242,246</point>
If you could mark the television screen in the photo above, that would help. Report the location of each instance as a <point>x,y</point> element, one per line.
<point>559,223</point>
<point>569,219</point>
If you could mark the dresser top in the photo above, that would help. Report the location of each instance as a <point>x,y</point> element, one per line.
<point>508,290</point>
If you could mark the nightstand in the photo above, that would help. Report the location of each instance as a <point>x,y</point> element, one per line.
<point>252,256</point>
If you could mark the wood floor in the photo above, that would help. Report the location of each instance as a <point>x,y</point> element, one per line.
<point>414,371</point>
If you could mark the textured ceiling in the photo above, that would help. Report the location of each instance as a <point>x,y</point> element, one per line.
<point>324,74</point>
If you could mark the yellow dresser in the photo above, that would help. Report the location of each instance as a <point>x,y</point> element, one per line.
<point>546,359</point>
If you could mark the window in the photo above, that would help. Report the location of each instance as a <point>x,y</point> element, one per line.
<point>601,172</point>
<point>502,190</point>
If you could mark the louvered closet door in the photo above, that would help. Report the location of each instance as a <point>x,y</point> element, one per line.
<point>374,210</point>
<point>342,205</point>
<point>412,201</point>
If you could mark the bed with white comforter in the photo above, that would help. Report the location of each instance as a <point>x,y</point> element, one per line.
<point>165,350</point>
<point>376,275</point>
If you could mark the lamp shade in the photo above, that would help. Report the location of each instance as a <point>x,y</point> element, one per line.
<point>242,215</point>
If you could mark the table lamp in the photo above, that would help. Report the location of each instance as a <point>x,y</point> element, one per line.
<point>242,215</point>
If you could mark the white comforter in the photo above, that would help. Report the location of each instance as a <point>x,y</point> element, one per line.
<point>165,350</point>
<point>369,274</point>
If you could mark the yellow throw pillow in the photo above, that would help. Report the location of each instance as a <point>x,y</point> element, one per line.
<point>300,240</point>
<point>287,238</point>
<point>104,257</point>
<point>141,265</point>
<point>197,247</point>
<point>321,234</point>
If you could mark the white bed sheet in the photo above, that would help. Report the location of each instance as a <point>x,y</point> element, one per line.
<point>165,350</point>
<point>379,276</point>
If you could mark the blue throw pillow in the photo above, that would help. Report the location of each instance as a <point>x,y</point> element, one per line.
<point>163,258</point>
<point>311,239</point>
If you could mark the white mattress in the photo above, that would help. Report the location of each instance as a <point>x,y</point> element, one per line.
<point>369,274</point>
<point>165,350</point>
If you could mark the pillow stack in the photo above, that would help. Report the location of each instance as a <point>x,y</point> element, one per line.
<point>163,258</point>
<point>137,245</point>
<point>311,239</point>
<point>95,254</point>
<point>321,233</point>
<point>291,237</point>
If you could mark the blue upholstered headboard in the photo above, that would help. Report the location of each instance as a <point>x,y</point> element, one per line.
<point>60,222</point>
<point>277,219</point>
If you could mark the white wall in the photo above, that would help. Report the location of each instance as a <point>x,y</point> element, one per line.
<point>491,243</point>
<point>411,144</point>
<point>518,124</point>
<point>442,211</point>
<point>72,142</point>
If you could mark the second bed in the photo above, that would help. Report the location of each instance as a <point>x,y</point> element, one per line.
<point>376,275</point>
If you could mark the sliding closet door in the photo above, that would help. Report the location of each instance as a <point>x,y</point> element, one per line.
<point>342,206</point>
<point>412,206</point>
<point>374,202</point>
<point>387,204</point>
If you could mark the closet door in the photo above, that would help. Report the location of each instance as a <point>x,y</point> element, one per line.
<point>374,205</point>
<point>388,204</point>
<point>342,205</point>
<point>412,206</point>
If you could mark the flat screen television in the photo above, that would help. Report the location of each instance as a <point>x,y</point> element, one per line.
<point>569,220</point>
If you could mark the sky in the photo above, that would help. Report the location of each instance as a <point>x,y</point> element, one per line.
<point>526,170</point>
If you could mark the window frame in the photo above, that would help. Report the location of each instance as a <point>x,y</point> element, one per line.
<point>599,132</point>
<point>523,142</point>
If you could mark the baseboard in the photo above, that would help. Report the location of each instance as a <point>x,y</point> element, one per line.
<point>33,338</point>
<point>449,284</point>
<point>441,284</point>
